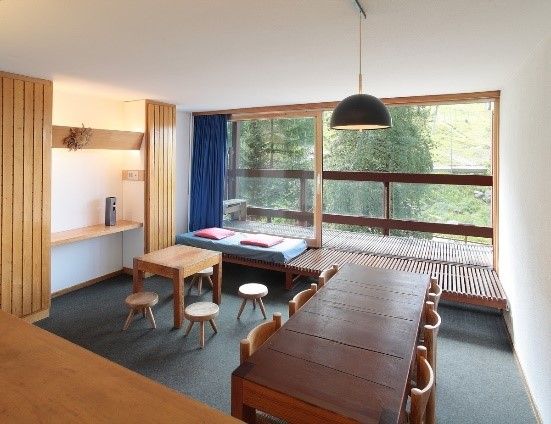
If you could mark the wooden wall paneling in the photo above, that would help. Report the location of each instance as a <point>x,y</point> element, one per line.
<point>37,197</point>
<point>46,195</point>
<point>28,149</point>
<point>7,192</point>
<point>1,179</point>
<point>17,244</point>
<point>160,172</point>
<point>25,137</point>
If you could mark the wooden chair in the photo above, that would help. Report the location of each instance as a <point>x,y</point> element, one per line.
<point>420,395</point>
<point>257,336</point>
<point>435,292</point>
<point>327,274</point>
<point>430,333</point>
<point>301,298</point>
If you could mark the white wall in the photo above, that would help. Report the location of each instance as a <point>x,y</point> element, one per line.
<point>80,183</point>
<point>525,218</point>
<point>183,166</point>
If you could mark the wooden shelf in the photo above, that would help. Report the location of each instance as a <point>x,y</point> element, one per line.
<point>85,233</point>
<point>101,139</point>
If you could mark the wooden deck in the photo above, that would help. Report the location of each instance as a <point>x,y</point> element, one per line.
<point>464,270</point>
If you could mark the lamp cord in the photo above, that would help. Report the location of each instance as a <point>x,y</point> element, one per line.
<point>360,74</point>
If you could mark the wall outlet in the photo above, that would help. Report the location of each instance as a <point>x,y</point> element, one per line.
<point>133,175</point>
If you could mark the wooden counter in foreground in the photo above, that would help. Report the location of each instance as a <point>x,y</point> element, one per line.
<point>47,379</point>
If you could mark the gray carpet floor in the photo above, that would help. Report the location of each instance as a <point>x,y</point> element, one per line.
<point>478,380</point>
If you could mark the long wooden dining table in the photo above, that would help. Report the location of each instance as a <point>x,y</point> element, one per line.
<point>345,356</point>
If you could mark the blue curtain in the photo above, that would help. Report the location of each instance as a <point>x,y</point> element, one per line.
<point>208,171</point>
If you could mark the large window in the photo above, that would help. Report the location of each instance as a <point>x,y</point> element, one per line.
<point>451,139</point>
<point>429,176</point>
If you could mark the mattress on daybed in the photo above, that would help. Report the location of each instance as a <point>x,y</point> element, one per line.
<point>280,253</point>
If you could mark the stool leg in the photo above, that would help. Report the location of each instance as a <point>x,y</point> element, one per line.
<point>213,325</point>
<point>262,307</point>
<point>210,281</point>
<point>192,283</point>
<point>151,317</point>
<point>128,320</point>
<point>254,303</point>
<point>144,312</point>
<point>200,284</point>
<point>202,334</point>
<point>189,327</point>
<point>242,307</point>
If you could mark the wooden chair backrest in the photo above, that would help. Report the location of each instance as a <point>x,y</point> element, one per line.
<point>425,382</point>
<point>301,298</point>
<point>257,336</point>
<point>327,274</point>
<point>430,334</point>
<point>435,292</point>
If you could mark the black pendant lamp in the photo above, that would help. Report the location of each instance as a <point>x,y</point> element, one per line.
<point>361,111</point>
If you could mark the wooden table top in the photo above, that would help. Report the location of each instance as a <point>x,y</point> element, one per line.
<point>47,379</point>
<point>179,256</point>
<point>349,348</point>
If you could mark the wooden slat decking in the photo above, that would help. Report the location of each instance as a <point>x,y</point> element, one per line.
<point>464,270</point>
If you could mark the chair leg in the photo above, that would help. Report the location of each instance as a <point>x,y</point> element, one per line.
<point>150,316</point>
<point>213,325</point>
<point>202,334</point>
<point>262,307</point>
<point>242,307</point>
<point>189,327</point>
<point>128,320</point>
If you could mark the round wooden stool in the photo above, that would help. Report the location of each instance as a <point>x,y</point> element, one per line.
<point>254,292</point>
<point>198,279</point>
<point>141,301</point>
<point>201,312</point>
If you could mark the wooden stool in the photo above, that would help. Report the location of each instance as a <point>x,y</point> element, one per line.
<point>254,292</point>
<point>141,301</point>
<point>201,312</point>
<point>198,279</point>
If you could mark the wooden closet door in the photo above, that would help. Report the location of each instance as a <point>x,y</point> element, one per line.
<point>160,138</point>
<point>25,163</point>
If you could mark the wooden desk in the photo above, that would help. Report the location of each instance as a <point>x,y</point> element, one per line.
<point>345,356</point>
<point>46,379</point>
<point>178,262</point>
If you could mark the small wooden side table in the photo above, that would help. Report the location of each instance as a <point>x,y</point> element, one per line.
<point>178,262</point>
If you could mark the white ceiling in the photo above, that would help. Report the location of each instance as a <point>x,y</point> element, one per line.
<point>212,54</point>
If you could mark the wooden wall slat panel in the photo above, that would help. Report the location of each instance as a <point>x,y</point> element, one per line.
<point>17,246</point>
<point>37,197</point>
<point>28,148</point>
<point>7,193</point>
<point>160,134</point>
<point>46,195</point>
<point>25,136</point>
<point>1,179</point>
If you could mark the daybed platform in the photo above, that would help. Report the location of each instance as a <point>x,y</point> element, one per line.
<point>464,283</point>
<point>281,253</point>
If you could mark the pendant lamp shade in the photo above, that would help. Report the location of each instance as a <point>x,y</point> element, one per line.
<point>361,112</point>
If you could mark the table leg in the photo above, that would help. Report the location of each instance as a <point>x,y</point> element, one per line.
<point>178,283</point>
<point>238,409</point>
<point>217,280</point>
<point>137,278</point>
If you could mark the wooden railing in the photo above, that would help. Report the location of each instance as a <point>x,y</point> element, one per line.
<point>386,223</point>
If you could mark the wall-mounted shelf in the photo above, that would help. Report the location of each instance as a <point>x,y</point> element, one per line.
<point>93,231</point>
<point>101,139</point>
